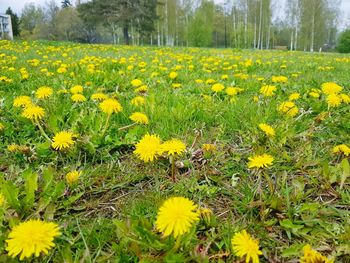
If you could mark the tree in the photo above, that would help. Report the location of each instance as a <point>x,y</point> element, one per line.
<point>66,3</point>
<point>344,42</point>
<point>30,18</point>
<point>134,14</point>
<point>201,26</point>
<point>14,22</point>
<point>69,25</point>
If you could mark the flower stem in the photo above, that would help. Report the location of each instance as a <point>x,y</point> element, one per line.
<point>42,131</point>
<point>172,159</point>
<point>127,126</point>
<point>177,243</point>
<point>106,125</point>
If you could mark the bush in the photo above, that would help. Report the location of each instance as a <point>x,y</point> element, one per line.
<point>344,42</point>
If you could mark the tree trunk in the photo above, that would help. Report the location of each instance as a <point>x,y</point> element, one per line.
<point>260,25</point>
<point>126,35</point>
<point>312,34</point>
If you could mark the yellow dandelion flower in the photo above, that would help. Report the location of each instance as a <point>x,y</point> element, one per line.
<point>269,131</point>
<point>294,96</point>
<point>260,161</point>
<point>76,89</point>
<point>31,238</point>
<point>342,148</point>
<point>244,245</point>
<point>138,101</point>
<point>78,97</point>
<point>279,79</point>
<point>99,96</point>
<point>312,256</point>
<point>176,216</point>
<point>2,199</point>
<point>61,70</point>
<point>173,75</point>
<point>33,112</point>
<point>22,101</point>
<point>12,147</point>
<point>148,148</point>
<point>289,108</point>
<point>141,89</point>
<point>334,100</point>
<point>268,91</point>
<point>110,106</point>
<point>139,118</point>
<point>43,92</point>
<point>62,140</point>
<point>176,85</point>
<point>217,87</point>
<point>72,177</point>
<point>345,98</point>
<point>173,146</point>
<point>136,83</point>
<point>209,147</point>
<point>331,88</point>
<point>314,94</point>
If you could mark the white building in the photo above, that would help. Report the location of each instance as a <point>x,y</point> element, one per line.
<point>5,27</point>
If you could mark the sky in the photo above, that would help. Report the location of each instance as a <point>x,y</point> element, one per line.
<point>17,6</point>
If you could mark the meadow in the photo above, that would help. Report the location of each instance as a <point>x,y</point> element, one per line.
<point>146,154</point>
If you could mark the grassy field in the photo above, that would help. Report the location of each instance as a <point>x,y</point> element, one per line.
<point>286,183</point>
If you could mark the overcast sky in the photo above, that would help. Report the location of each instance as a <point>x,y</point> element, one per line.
<point>17,6</point>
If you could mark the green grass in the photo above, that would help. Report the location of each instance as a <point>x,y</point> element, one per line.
<point>110,213</point>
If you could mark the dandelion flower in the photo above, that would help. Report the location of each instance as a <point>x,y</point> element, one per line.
<point>148,148</point>
<point>312,256</point>
<point>99,96</point>
<point>176,216</point>
<point>244,245</point>
<point>173,75</point>
<point>173,146</point>
<point>76,89</point>
<point>334,100</point>
<point>289,108</point>
<point>138,101</point>
<point>269,131</point>
<point>268,91</point>
<point>43,92</point>
<point>209,147</point>
<point>2,200</point>
<point>331,88</point>
<point>110,106</point>
<point>342,148</point>
<point>1,126</point>
<point>260,161</point>
<point>279,79</point>
<point>78,97</point>
<point>62,140</point>
<point>136,83</point>
<point>33,112</point>
<point>72,177</point>
<point>217,87</point>
<point>294,96</point>
<point>22,101</point>
<point>345,98</point>
<point>31,237</point>
<point>139,118</point>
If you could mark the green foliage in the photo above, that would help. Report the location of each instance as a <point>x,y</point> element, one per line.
<point>14,22</point>
<point>201,26</point>
<point>344,42</point>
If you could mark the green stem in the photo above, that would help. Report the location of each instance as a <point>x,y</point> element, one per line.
<point>127,126</point>
<point>172,159</point>
<point>177,243</point>
<point>106,125</point>
<point>42,131</point>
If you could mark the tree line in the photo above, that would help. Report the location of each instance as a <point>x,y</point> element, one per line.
<point>305,24</point>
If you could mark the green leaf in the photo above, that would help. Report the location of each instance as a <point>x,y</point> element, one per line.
<point>10,191</point>
<point>31,185</point>
<point>345,172</point>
